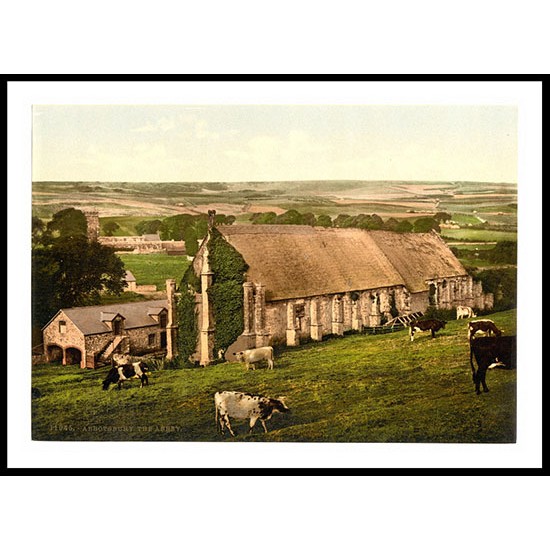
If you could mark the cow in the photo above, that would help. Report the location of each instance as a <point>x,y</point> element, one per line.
<point>118,374</point>
<point>464,312</point>
<point>483,325</point>
<point>491,352</point>
<point>421,325</point>
<point>255,355</point>
<point>241,406</point>
<point>120,359</point>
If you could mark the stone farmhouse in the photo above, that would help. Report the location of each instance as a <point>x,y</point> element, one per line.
<point>306,282</point>
<point>90,335</point>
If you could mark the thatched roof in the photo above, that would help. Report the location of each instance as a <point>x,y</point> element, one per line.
<point>297,261</point>
<point>418,257</point>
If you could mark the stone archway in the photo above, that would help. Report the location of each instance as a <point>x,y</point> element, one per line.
<point>54,353</point>
<point>73,356</point>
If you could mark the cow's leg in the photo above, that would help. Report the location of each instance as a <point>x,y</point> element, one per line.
<point>270,364</point>
<point>263,424</point>
<point>477,380</point>
<point>253,420</point>
<point>226,421</point>
<point>483,383</point>
<point>433,333</point>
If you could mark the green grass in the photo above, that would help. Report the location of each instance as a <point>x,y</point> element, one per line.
<point>154,269</point>
<point>479,235</point>
<point>360,388</point>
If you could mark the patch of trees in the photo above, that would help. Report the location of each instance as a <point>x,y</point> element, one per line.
<point>110,227</point>
<point>190,228</point>
<point>504,252</point>
<point>68,270</point>
<point>502,283</point>
<point>361,221</point>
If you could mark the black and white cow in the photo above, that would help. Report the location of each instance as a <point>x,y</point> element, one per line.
<point>421,325</point>
<point>119,374</point>
<point>491,352</point>
<point>255,355</point>
<point>241,406</point>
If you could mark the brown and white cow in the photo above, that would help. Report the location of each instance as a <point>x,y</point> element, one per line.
<point>483,325</point>
<point>255,355</point>
<point>421,325</point>
<point>241,406</point>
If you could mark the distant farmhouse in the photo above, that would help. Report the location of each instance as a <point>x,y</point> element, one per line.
<point>88,336</point>
<point>306,282</point>
<point>138,244</point>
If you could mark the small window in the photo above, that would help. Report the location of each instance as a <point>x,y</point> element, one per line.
<point>163,320</point>
<point>62,327</point>
<point>300,310</point>
<point>152,339</point>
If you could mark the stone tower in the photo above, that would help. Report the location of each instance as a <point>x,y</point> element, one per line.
<point>92,219</point>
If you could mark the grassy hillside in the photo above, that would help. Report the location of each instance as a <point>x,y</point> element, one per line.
<point>154,269</point>
<point>378,388</point>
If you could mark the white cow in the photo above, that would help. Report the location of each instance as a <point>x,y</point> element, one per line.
<point>251,356</point>
<point>241,406</point>
<point>464,312</point>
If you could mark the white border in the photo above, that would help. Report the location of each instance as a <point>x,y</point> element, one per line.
<point>526,453</point>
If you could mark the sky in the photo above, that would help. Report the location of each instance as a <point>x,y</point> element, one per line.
<point>234,143</point>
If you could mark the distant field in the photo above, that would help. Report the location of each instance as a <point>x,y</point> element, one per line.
<point>479,235</point>
<point>376,388</point>
<point>154,269</point>
<point>386,198</point>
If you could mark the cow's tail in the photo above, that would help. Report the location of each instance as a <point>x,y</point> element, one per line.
<point>472,362</point>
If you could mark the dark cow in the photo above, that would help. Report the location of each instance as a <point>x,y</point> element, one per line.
<point>483,325</point>
<point>491,352</point>
<point>421,325</point>
<point>121,373</point>
<point>241,405</point>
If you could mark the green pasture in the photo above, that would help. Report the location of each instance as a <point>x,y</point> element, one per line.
<point>478,235</point>
<point>359,388</point>
<point>154,269</point>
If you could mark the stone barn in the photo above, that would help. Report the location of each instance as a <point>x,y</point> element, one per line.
<point>89,335</point>
<point>303,282</point>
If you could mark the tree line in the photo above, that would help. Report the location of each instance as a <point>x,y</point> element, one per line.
<point>183,227</point>
<point>422,224</point>
<point>68,270</point>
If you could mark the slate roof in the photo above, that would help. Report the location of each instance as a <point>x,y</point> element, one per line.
<point>88,319</point>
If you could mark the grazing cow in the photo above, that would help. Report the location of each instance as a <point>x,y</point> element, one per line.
<point>120,359</point>
<point>120,373</point>
<point>240,405</point>
<point>483,325</point>
<point>464,312</point>
<point>491,352</point>
<point>421,325</point>
<point>251,356</point>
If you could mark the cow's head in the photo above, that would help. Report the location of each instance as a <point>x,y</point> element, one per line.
<point>280,405</point>
<point>239,356</point>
